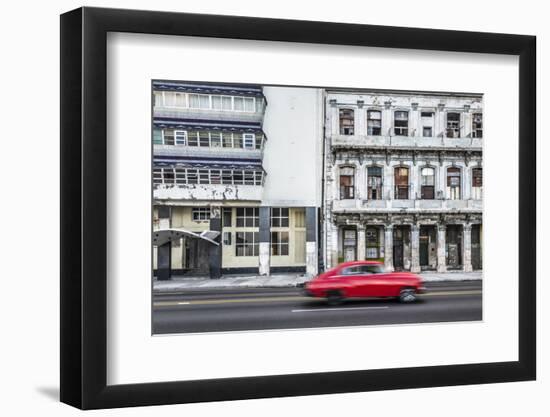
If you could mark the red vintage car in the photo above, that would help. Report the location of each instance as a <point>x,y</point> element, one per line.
<point>364,279</point>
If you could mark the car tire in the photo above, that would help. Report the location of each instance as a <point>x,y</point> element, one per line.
<point>335,298</point>
<point>407,295</point>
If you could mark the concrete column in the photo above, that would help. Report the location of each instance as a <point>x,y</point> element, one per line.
<point>215,251</point>
<point>415,248</point>
<point>312,258</point>
<point>388,249</point>
<point>361,242</point>
<point>164,262</point>
<point>441,252</point>
<point>466,183</point>
<point>164,252</point>
<point>467,242</point>
<point>387,122</point>
<point>332,246</point>
<point>265,240</point>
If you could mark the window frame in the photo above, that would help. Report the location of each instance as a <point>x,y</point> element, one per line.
<point>403,131</point>
<point>341,127</point>
<point>200,214</point>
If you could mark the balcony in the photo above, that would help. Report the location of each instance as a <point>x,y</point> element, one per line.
<point>405,142</point>
<point>207,114</point>
<point>207,152</point>
<point>208,192</point>
<point>406,205</point>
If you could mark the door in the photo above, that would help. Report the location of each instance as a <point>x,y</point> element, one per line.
<point>424,251</point>
<point>398,248</point>
<point>349,244</point>
<point>453,255</point>
<point>476,247</point>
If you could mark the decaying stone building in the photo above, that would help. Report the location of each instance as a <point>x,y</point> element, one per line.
<point>227,199</point>
<point>403,179</point>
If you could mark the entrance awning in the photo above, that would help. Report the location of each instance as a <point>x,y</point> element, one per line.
<point>162,236</point>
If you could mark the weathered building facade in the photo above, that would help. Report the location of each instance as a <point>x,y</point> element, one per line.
<point>403,179</point>
<point>222,201</point>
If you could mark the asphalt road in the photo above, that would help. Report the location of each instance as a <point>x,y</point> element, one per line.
<point>200,311</point>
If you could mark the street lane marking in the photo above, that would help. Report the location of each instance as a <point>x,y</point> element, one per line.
<point>338,309</point>
<point>291,298</point>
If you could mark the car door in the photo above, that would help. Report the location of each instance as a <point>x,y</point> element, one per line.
<point>350,280</point>
<point>376,282</point>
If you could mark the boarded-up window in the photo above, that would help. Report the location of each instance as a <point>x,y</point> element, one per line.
<point>347,183</point>
<point>347,122</point>
<point>401,183</point>
<point>401,123</point>
<point>374,183</point>
<point>453,183</point>
<point>374,123</point>
<point>427,183</point>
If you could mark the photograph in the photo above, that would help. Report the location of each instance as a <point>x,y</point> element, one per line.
<point>293,207</point>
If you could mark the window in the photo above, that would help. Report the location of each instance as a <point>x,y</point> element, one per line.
<point>347,183</point>
<point>217,102</point>
<point>374,123</point>
<point>279,217</point>
<point>372,269</point>
<point>157,136</point>
<point>453,183</point>
<point>374,183</point>
<point>249,104</point>
<point>227,238</point>
<point>477,183</point>
<point>477,125</point>
<point>180,137</point>
<point>168,176</point>
<point>401,183</point>
<point>401,123</point>
<point>201,214</point>
<point>248,217</point>
<point>249,140</point>
<point>453,125</point>
<point>427,183</point>
<point>227,214</point>
<point>346,122</point>
<point>279,243</point>
<point>168,137</point>
<point>246,243</point>
<point>427,118</point>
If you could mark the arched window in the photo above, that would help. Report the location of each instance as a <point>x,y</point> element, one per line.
<point>347,122</point>
<point>453,183</point>
<point>477,183</point>
<point>347,183</point>
<point>427,183</point>
<point>374,183</point>
<point>401,175</point>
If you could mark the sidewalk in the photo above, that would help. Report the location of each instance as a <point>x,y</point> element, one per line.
<point>181,283</point>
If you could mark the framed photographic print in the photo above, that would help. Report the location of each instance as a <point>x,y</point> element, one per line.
<point>257,208</point>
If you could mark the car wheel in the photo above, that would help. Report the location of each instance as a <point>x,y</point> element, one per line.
<point>335,298</point>
<point>407,295</point>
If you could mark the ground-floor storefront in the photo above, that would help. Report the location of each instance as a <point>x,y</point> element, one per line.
<point>243,239</point>
<point>412,242</point>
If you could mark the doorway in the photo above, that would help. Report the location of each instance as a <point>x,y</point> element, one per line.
<point>454,246</point>
<point>400,244</point>
<point>428,248</point>
<point>476,247</point>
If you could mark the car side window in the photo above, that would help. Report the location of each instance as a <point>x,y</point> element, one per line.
<point>351,270</point>
<point>373,269</point>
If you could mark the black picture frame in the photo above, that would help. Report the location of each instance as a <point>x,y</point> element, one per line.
<point>84,207</point>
